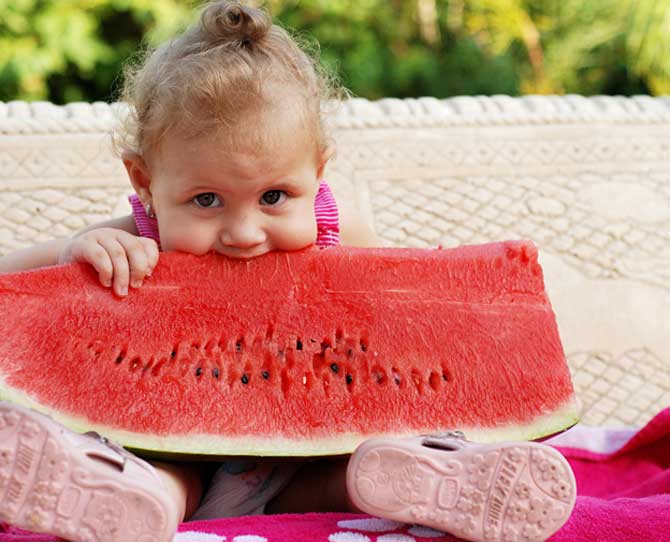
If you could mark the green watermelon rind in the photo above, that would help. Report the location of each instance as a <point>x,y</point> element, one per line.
<point>212,446</point>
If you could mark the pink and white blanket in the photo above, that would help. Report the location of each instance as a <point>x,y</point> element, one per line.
<point>623,485</point>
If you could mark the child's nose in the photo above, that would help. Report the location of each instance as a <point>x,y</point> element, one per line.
<point>242,234</point>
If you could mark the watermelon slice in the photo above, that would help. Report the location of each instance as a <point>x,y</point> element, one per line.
<point>304,353</point>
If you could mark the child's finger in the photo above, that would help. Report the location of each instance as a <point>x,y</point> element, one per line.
<point>91,252</point>
<point>137,259</point>
<point>151,250</point>
<point>121,271</point>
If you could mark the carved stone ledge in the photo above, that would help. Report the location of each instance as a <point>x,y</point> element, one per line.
<point>46,118</point>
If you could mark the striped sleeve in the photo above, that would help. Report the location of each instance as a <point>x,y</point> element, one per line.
<point>327,218</point>
<point>147,227</point>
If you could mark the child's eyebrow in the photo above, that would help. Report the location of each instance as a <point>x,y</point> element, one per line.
<point>283,185</point>
<point>196,190</point>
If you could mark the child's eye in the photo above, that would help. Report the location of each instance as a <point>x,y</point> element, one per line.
<point>207,200</point>
<point>273,197</point>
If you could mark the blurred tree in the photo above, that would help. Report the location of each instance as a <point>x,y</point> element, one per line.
<point>647,42</point>
<point>578,46</point>
<point>500,25</point>
<point>68,50</point>
<point>399,48</point>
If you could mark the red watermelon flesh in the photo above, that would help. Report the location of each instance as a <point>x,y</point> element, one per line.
<point>304,353</point>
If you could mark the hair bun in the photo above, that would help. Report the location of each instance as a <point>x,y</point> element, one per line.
<point>233,21</point>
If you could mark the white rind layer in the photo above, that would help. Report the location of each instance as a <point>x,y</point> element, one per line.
<point>274,445</point>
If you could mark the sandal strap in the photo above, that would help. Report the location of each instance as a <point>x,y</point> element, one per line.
<point>445,439</point>
<point>124,455</point>
<point>449,434</point>
<point>121,452</point>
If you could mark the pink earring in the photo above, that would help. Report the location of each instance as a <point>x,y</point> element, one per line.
<point>149,209</point>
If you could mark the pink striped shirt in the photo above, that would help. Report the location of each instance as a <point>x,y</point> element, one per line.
<point>325,211</point>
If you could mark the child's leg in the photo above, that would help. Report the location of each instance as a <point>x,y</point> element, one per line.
<point>184,483</point>
<point>83,487</point>
<point>245,486</point>
<point>319,486</point>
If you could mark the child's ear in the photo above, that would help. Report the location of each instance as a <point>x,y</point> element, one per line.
<point>138,172</point>
<point>325,155</point>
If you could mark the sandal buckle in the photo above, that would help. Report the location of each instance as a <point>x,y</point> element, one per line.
<point>455,434</point>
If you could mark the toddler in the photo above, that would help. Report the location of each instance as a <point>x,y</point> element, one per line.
<point>225,148</point>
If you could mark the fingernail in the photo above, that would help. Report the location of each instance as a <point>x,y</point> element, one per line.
<point>137,283</point>
<point>124,290</point>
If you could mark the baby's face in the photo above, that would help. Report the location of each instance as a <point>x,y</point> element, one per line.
<point>241,204</point>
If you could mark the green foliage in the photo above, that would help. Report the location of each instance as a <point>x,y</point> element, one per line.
<point>69,50</point>
<point>647,42</point>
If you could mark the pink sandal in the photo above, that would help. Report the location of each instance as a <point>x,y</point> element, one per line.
<point>506,491</point>
<point>79,487</point>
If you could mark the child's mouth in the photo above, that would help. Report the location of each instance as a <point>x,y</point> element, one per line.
<point>243,254</point>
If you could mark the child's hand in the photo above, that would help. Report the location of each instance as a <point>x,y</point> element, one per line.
<point>120,258</point>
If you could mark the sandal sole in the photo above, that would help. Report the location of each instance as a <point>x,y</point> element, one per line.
<point>499,492</point>
<point>46,486</point>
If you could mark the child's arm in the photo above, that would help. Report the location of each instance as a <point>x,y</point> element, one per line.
<point>42,255</point>
<point>355,231</point>
<point>112,247</point>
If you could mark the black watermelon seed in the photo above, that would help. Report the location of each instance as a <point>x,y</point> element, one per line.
<point>238,346</point>
<point>215,372</point>
<point>265,375</point>
<point>349,379</point>
<point>173,354</point>
<point>198,371</point>
<point>298,345</point>
<point>334,367</point>
<point>350,352</point>
<point>119,359</point>
<point>245,379</point>
<point>364,346</point>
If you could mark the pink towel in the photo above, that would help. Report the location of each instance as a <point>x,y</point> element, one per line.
<point>623,482</point>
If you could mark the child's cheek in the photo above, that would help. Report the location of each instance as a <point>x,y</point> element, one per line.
<point>186,238</point>
<point>296,232</point>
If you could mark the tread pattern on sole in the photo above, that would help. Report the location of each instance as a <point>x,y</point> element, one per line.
<point>508,492</point>
<point>44,488</point>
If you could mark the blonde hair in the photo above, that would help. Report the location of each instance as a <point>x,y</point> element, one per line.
<point>223,75</point>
